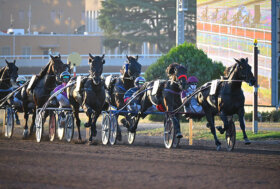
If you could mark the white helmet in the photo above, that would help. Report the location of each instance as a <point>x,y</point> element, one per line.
<point>21,79</point>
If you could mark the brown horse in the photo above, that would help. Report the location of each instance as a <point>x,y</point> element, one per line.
<point>119,85</point>
<point>40,91</point>
<point>228,98</point>
<point>168,93</point>
<point>90,96</point>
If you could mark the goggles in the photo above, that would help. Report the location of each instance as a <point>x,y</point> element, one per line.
<point>65,77</point>
<point>21,82</point>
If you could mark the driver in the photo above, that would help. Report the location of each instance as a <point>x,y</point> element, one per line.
<point>62,97</point>
<point>135,104</point>
<point>192,106</point>
<point>17,101</point>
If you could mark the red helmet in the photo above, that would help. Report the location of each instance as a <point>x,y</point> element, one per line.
<point>192,79</point>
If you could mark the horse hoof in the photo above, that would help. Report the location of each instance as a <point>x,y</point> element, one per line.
<point>220,129</point>
<point>218,147</point>
<point>87,125</point>
<point>247,141</point>
<point>18,122</point>
<point>25,133</point>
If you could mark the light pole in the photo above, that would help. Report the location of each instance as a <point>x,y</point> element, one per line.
<point>255,105</point>
<point>181,6</point>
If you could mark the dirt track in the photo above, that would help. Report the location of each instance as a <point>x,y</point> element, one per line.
<point>146,164</point>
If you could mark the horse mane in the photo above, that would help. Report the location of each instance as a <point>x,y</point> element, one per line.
<point>2,70</point>
<point>170,70</point>
<point>44,70</point>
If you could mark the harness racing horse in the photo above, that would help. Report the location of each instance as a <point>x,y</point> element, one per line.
<point>41,89</point>
<point>228,98</point>
<point>90,95</point>
<point>118,86</point>
<point>8,76</point>
<point>167,93</point>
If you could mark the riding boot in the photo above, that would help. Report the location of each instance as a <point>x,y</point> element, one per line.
<point>119,134</point>
<point>177,129</point>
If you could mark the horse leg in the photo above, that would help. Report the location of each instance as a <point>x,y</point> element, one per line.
<point>210,119</point>
<point>119,132</point>
<point>224,118</point>
<point>89,112</point>
<point>17,119</point>
<point>25,131</point>
<point>93,127</point>
<point>242,125</point>
<point>33,122</point>
<point>78,122</point>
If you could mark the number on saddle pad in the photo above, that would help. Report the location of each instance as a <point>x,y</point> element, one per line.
<point>108,81</point>
<point>78,85</point>
<point>30,85</point>
<point>155,87</point>
<point>214,85</point>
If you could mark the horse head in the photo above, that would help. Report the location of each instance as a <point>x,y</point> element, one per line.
<point>177,74</point>
<point>56,66</point>
<point>132,69</point>
<point>244,71</point>
<point>96,67</point>
<point>12,72</point>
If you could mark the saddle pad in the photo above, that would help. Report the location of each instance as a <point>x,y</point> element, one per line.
<point>108,81</point>
<point>78,85</point>
<point>31,82</point>
<point>155,87</point>
<point>214,86</point>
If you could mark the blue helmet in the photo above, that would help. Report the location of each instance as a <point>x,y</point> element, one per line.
<point>139,81</point>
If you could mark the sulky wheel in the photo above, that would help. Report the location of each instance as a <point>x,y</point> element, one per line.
<point>9,122</point>
<point>60,128</point>
<point>170,139</point>
<point>113,129</point>
<point>230,136</point>
<point>52,126</point>
<point>69,127</point>
<point>105,133</point>
<point>39,126</point>
<point>131,135</point>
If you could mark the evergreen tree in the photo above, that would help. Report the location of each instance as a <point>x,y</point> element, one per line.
<point>131,22</point>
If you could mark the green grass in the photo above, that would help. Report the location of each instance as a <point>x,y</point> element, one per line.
<point>205,134</point>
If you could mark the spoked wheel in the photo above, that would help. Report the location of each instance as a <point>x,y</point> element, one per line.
<point>105,134</point>
<point>170,139</point>
<point>69,132</point>
<point>39,126</point>
<point>113,129</point>
<point>52,126</point>
<point>9,122</point>
<point>230,136</point>
<point>60,128</point>
<point>131,135</point>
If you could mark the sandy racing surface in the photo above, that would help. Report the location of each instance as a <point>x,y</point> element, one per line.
<point>146,164</point>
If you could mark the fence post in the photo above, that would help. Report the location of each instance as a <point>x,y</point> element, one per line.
<point>190,132</point>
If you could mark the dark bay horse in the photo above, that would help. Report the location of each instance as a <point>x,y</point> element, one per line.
<point>8,76</point>
<point>119,85</point>
<point>167,94</point>
<point>90,95</point>
<point>228,98</point>
<point>44,84</point>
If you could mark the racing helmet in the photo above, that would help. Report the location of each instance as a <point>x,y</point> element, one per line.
<point>65,76</point>
<point>192,80</point>
<point>139,82</point>
<point>21,80</point>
